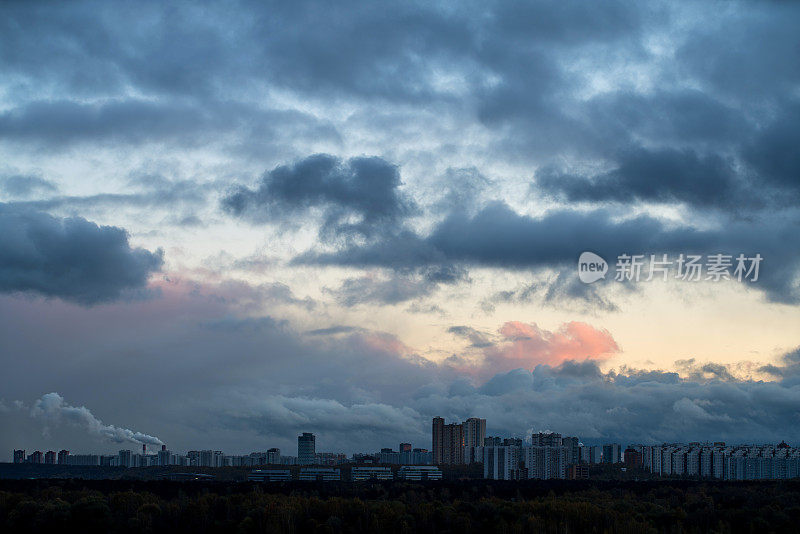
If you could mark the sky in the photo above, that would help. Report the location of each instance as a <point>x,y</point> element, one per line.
<point>223,224</point>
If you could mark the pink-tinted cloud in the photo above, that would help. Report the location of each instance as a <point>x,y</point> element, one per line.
<point>527,345</point>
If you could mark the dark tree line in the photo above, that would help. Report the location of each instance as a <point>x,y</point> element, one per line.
<point>447,507</point>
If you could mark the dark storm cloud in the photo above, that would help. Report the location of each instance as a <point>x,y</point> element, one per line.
<point>62,122</point>
<point>191,62</point>
<point>508,66</point>
<point>23,185</point>
<point>99,48</point>
<point>642,406</point>
<point>371,52</point>
<point>652,176</point>
<point>57,124</point>
<point>499,237</point>
<point>360,50</point>
<point>365,187</point>
<point>680,118</point>
<point>525,39</point>
<point>755,168</point>
<point>752,64</point>
<point>73,259</point>
<point>774,152</point>
<point>569,23</point>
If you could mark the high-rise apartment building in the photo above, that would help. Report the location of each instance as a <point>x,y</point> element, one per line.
<point>306,449</point>
<point>453,444</point>
<point>571,446</point>
<point>632,458</point>
<point>546,439</point>
<point>164,456</point>
<point>437,432</point>
<point>448,442</point>
<point>612,453</point>
<point>501,462</point>
<point>595,454</point>
<point>474,432</point>
<point>545,462</point>
<point>63,454</point>
<point>126,458</point>
<point>50,457</point>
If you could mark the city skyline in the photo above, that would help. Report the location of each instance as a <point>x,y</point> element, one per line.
<point>472,433</point>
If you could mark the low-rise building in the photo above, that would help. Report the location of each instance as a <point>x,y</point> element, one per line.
<point>371,473</point>
<point>419,472</point>
<point>319,474</point>
<point>269,475</point>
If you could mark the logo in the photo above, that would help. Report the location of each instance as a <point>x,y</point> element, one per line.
<point>591,267</point>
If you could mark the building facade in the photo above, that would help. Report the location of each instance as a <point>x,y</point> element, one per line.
<point>448,442</point>
<point>306,449</point>
<point>474,432</point>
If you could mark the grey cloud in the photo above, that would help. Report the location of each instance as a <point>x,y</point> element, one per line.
<point>23,186</point>
<point>511,62</point>
<point>579,398</point>
<point>476,338</point>
<point>365,187</point>
<point>701,371</point>
<point>397,287</point>
<point>363,54</point>
<point>275,292</point>
<point>499,237</point>
<point>679,118</point>
<point>526,39</point>
<point>334,330</point>
<point>172,194</point>
<point>747,167</point>
<point>211,362</point>
<point>750,64</point>
<point>773,154</point>
<point>252,297</point>
<point>563,291</point>
<point>417,307</point>
<point>392,290</point>
<point>62,123</point>
<point>256,381</point>
<point>653,176</point>
<point>569,23</point>
<point>462,187</point>
<point>512,71</point>
<point>72,259</point>
<point>333,422</point>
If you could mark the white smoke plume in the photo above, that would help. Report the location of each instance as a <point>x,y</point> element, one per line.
<point>52,408</point>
